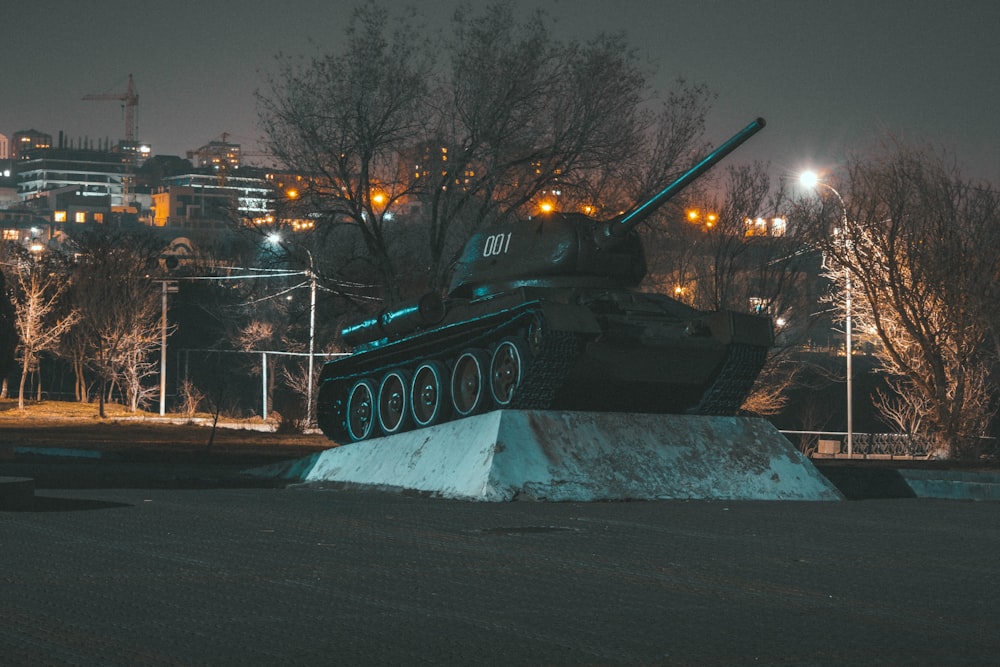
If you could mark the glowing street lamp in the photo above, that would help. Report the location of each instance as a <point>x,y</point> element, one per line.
<point>695,216</point>
<point>811,180</point>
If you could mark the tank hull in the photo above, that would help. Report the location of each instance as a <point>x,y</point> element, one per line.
<point>595,350</point>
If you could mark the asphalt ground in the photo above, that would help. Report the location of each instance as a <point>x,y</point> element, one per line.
<point>219,574</point>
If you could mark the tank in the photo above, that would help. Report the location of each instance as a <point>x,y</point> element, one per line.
<point>545,314</point>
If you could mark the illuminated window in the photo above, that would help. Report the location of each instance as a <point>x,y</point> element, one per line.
<point>81,216</point>
<point>98,217</point>
<point>59,216</point>
<point>756,227</point>
<point>764,227</point>
<point>10,235</point>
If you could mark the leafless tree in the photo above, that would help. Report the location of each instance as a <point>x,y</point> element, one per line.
<point>908,232</point>
<point>191,397</point>
<point>342,119</point>
<point>138,365</point>
<point>41,319</point>
<point>414,157</point>
<point>902,408</point>
<point>119,305</point>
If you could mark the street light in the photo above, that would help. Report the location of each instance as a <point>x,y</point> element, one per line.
<point>811,180</point>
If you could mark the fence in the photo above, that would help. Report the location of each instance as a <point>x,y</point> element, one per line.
<point>902,446</point>
<point>185,369</point>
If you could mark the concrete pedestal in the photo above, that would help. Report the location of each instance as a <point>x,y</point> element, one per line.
<point>580,456</point>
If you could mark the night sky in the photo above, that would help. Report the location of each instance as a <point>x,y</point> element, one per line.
<point>829,77</point>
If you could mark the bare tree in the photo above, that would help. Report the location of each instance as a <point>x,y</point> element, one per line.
<point>41,320</point>
<point>119,305</point>
<point>343,119</point>
<point>525,117</point>
<point>908,233</point>
<point>414,159</point>
<point>903,408</point>
<point>137,364</point>
<point>191,397</point>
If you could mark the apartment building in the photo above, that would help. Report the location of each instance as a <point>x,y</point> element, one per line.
<point>91,173</point>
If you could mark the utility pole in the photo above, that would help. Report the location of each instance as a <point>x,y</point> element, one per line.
<point>168,287</point>
<point>312,340</point>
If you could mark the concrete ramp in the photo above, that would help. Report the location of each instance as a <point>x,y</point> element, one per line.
<point>582,456</point>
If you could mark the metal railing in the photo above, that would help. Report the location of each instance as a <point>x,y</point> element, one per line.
<point>831,444</point>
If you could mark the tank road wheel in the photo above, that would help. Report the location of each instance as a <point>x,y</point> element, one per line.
<point>428,394</point>
<point>360,419</point>
<point>468,382</point>
<point>506,370</point>
<point>393,401</point>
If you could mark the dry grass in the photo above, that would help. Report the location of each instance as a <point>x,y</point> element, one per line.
<point>71,424</point>
<point>58,411</point>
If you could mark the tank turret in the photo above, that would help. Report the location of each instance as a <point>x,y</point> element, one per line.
<point>572,246</point>
<point>544,315</point>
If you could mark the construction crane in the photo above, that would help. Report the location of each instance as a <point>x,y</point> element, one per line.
<point>130,100</point>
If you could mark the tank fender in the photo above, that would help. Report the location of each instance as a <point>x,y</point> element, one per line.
<point>570,317</point>
<point>400,319</point>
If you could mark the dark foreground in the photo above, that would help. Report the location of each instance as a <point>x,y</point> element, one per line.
<point>244,576</point>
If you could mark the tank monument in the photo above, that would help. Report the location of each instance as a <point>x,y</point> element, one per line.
<point>543,372</point>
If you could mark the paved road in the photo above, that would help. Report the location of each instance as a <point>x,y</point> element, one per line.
<point>309,576</point>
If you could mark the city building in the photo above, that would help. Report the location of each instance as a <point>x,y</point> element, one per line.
<point>206,200</point>
<point>26,141</point>
<point>8,186</point>
<point>220,155</point>
<point>91,173</point>
<point>25,226</point>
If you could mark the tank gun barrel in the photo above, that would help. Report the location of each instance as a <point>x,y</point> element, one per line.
<point>616,229</point>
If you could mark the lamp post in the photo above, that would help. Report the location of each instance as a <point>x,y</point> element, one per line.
<point>812,181</point>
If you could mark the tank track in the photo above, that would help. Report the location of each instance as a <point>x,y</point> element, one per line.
<point>734,381</point>
<point>547,370</point>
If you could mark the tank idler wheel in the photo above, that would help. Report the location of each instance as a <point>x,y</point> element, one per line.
<point>393,402</point>
<point>506,370</point>
<point>469,382</point>
<point>360,419</point>
<point>428,394</point>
